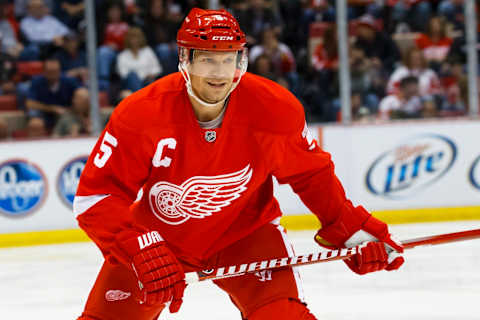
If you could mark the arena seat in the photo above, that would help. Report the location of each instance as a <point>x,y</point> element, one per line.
<point>8,102</point>
<point>29,68</point>
<point>19,134</point>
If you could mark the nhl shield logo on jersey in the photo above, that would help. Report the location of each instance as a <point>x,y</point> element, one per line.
<point>210,136</point>
<point>198,197</point>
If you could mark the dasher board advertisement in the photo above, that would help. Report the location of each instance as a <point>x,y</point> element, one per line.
<point>38,181</point>
<point>408,165</point>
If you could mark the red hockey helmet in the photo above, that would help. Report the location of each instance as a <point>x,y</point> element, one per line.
<point>211,30</point>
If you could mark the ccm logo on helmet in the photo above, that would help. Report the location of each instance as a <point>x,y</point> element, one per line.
<point>222,38</point>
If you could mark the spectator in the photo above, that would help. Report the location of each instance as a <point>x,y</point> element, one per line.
<point>41,31</point>
<point>20,7</point>
<point>76,121</point>
<point>36,128</point>
<point>73,58</point>
<point>314,11</point>
<point>9,43</point>
<point>458,49</point>
<point>7,73</point>
<point>454,12</point>
<point>325,55</point>
<point>290,11</point>
<point>414,64</point>
<point>360,112</point>
<point>280,54</point>
<point>263,67</point>
<point>71,12</point>
<point>379,47</point>
<point>454,81</point>
<point>404,103</point>
<point>113,40</point>
<point>161,29</point>
<point>3,129</point>
<point>357,8</point>
<point>435,43</point>
<point>317,95</point>
<point>137,64</point>
<point>411,13</point>
<point>366,79</point>
<point>321,89</point>
<point>258,16</point>
<point>366,83</point>
<point>50,94</point>
<point>116,27</point>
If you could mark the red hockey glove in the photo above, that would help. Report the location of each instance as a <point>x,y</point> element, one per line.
<point>374,255</point>
<point>378,251</point>
<point>160,275</point>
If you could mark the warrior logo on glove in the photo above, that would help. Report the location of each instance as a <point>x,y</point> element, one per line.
<point>198,197</point>
<point>148,239</point>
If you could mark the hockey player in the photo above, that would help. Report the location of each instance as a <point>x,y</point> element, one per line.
<point>203,145</point>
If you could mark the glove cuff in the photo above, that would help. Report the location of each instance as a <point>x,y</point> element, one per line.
<point>373,230</point>
<point>335,234</point>
<point>130,242</point>
<point>376,228</point>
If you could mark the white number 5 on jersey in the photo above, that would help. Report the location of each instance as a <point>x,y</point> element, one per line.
<point>105,152</point>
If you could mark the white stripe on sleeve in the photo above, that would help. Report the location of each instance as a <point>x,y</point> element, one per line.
<point>83,203</point>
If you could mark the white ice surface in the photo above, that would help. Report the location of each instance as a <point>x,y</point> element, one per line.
<point>436,283</point>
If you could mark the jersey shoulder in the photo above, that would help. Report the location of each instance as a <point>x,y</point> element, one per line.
<point>153,105</point>
<point>267,106</point>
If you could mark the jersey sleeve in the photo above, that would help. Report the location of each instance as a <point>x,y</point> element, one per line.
<point>311,174</point>
<point>115,171</point>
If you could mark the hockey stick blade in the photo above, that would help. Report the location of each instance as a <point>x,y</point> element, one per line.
<point>318,257</point>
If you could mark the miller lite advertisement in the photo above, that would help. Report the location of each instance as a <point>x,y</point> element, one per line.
<point>411,166</point>
<point>474,174</point>
<point>408,165</point>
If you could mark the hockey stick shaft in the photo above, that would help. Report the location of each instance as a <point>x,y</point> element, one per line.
<point>442,238</point>
<point>318,257</point>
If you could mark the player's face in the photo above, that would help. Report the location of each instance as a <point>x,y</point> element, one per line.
<point>212,74</point>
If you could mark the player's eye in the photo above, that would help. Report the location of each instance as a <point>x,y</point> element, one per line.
<point>208,60</point>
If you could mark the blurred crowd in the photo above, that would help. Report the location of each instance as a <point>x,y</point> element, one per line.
<point>407,58</point>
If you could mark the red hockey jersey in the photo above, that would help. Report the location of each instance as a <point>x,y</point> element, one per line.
<point>203,189</point>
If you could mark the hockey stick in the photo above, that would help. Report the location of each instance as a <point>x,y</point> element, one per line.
<point>318,257</point>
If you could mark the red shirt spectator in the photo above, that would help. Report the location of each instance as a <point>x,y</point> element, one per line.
<point>115,34</point>
<point>115,29</point>
<point>435,44</point>
<point>321,59</point>
<point>280,54</point>
<point>325,55</point>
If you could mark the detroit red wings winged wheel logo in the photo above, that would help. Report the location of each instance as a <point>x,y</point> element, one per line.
<point>198,197</point>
